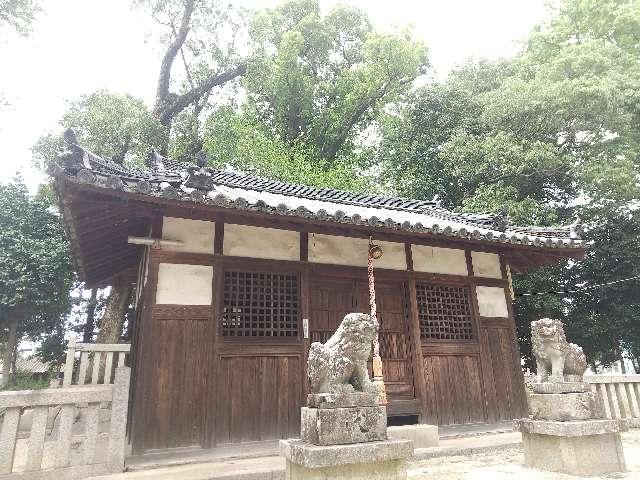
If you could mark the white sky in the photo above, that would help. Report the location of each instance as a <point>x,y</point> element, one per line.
<point>79,46</point>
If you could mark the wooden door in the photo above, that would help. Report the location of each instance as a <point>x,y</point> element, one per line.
<point>172,377</point>
<point>332,299</point>
<point>395,342</point>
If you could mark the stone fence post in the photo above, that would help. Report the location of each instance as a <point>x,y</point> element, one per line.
<point>118,427</point>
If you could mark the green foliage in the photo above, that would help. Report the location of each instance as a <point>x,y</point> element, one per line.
<point>37,272</point>
<point>118,127</point>
<point>548,134</point>
<point>236,140</point>
<point>319,81</point>
<point>19,14</point>
<point>605,320</point>
<point>21,380</point>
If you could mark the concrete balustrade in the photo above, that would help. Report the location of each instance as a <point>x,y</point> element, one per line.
<point>47,450</point>
<point>620,396</point>
<point>94,357</point>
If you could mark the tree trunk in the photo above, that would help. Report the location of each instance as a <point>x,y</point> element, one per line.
<point>90,323</point>
<point>111,322</point>
<point>9,348</point>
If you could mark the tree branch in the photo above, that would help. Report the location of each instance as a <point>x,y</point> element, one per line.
<point>167,61</point>
<point>180,102</point>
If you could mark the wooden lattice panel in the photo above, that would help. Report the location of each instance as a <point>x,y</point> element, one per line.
<point>444,312</point>
<point>260,304</point>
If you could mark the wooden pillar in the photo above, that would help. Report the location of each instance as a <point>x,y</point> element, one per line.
<point>305,312</point>
<point>519,393</point>
<point>419,379</point>
<point>209,440</point>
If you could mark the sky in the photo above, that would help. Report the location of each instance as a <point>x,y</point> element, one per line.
<point>80,46</point>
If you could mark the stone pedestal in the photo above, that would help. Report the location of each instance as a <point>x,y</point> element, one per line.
<point>563,406</point>
<point>588,447</point>
<point>565,432</point>
<point>344,435</point>
<point>339,426</point>
<point>382,460</point>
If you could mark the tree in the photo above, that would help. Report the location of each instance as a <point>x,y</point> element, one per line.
<point>546,135</point>
<point>117,127</point>
<point>243,142</point>
<point>121,128</point>
<point>202,33</point>
<point>18,14</point>
<point>36,273</point>
<point>319,81</point>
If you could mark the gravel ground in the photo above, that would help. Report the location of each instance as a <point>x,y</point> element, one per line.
<point>509,464</point>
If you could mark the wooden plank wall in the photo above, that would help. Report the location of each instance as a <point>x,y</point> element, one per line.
<point>195,388</point>
<point>258,397</point>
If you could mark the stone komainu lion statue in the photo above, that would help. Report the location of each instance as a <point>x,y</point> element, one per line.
<point>555,356</point>
<point>340,365</point>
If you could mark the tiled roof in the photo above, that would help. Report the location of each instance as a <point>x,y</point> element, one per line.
<point>30,365</point>
<point>197,183</point>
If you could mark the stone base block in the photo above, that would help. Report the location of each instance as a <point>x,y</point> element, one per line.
<point>389,470</point>
<point>422,436</point>
<point>568,451</point>
<point>384,460</point>
<point>342,400</point>
<point>568,429</point>
<point>339,426</point>
<point>560,387</point>
<point>563,406</point>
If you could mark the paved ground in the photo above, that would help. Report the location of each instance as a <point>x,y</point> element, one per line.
<point>507,465</point>
<point>499,458</point>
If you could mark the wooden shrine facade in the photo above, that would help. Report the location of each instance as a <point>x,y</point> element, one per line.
<point>228,304</point>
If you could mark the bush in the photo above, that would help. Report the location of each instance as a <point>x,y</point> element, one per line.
<point>22,380</point>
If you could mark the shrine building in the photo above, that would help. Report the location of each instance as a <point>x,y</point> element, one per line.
<point>235,276</point>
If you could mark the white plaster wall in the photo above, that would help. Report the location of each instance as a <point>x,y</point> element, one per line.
<point>260,242</point>
<point>337,250</point>
<point>449,261</point>
<point>492,302</point>
<point>197,235</point>
<point>486,265</point>
<point>180,284</point>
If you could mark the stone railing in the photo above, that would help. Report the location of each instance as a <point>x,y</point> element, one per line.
<point>97,362</point>
<point>65,439</point>
<point>619,396</point>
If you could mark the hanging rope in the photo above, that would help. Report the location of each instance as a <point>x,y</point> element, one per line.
<point>377,360</point>
<point>372,299</point>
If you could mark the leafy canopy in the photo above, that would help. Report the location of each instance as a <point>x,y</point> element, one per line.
<point>37,272</point>
<point>117,127</point>
<point>544,136</point>
<point>320,80</point>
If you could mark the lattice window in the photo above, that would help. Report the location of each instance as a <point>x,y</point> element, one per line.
<point>260,304</point>
<point>444,312</point>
